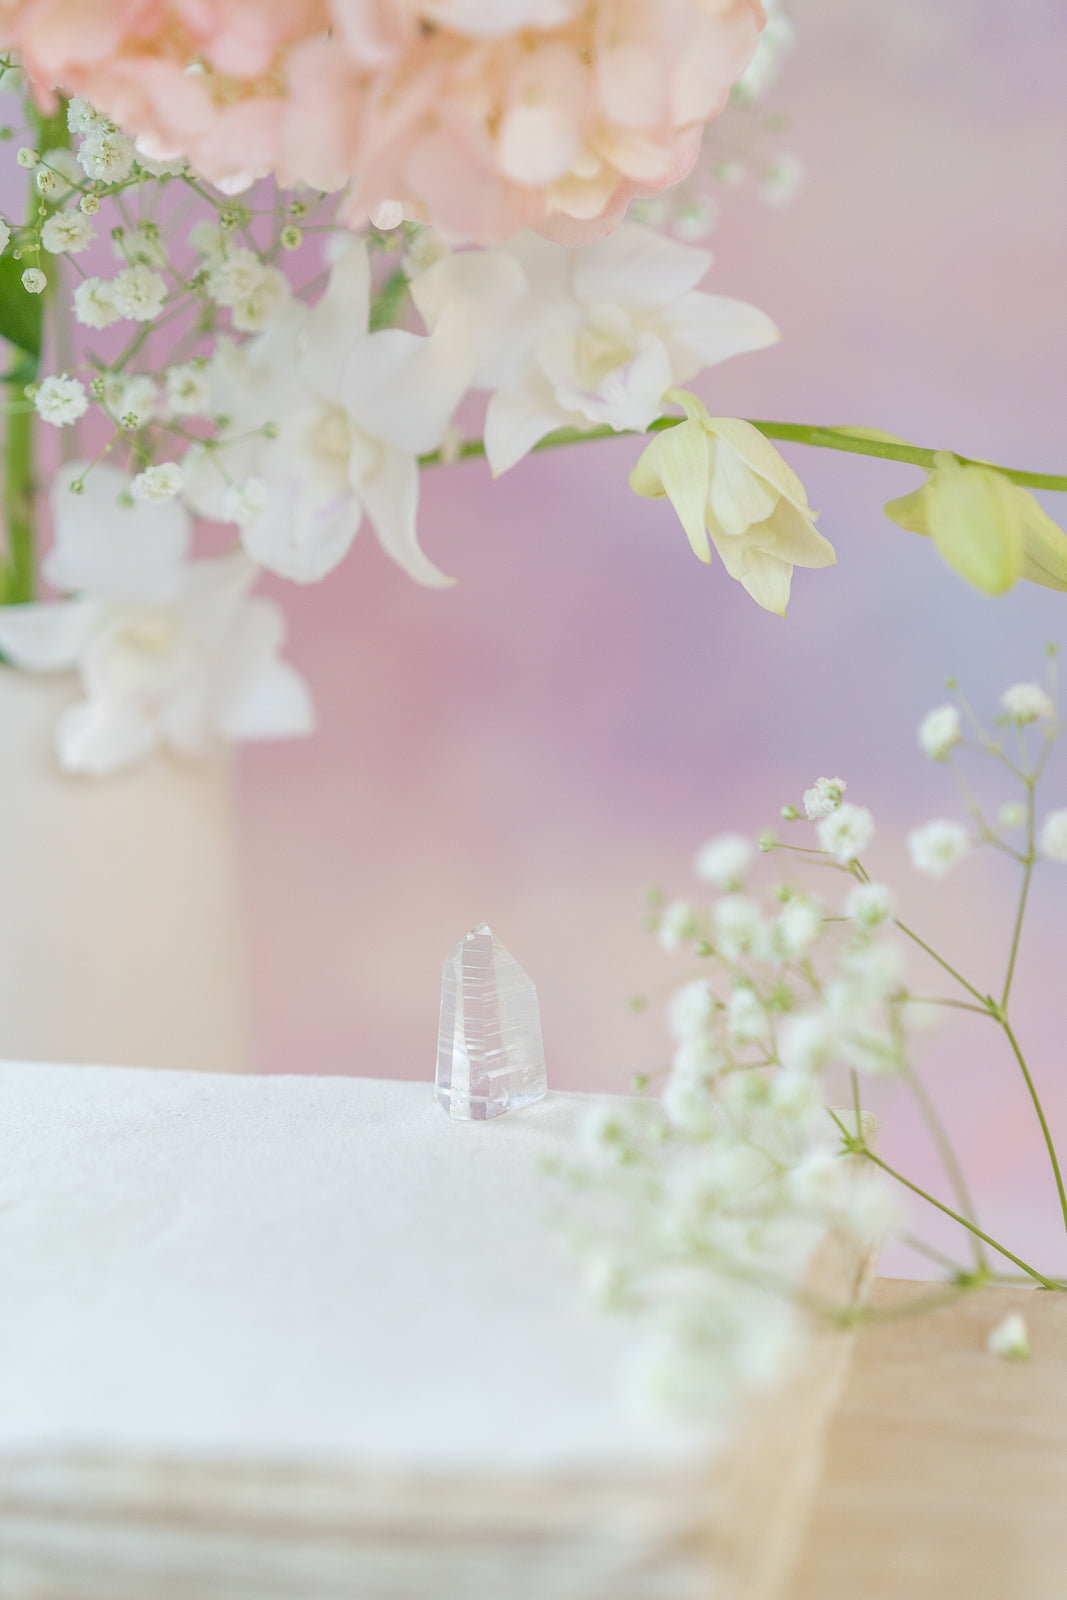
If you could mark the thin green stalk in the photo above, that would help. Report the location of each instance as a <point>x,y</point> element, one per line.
<point>859,1148</point>
<point>947,1155</point>
<point>856,1106</point>
<point>18,506</point>
<point>820,438</point>
<point>956,1005</point>
<point>938,1257</point>
<point>1035,1097</point>
<point>1028,868</point>
<point>941,961</point>
<point>835,439</point>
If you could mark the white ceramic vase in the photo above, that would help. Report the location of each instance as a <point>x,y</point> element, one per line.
<point>120,937</point>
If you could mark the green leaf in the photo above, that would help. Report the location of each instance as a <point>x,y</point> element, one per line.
<point>20,313</point>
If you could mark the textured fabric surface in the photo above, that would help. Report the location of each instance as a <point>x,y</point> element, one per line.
<point>317,1268</point>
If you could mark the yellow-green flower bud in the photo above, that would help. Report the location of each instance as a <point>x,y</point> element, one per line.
<point>990,530</point>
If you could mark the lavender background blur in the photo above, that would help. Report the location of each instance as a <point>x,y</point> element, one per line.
<point>568,723</point>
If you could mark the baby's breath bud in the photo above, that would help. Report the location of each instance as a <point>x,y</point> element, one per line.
<point>27,158</point>
<point>1012,814</point>
<point>98,388</point>
<point>270,430</point>
<point>130,420</point>
<point>790,814</point>
<point>298,209</point>
<point>291,238</point>
<point>638,1002</point>
<point>89,204</point>
<point>823,797</point>
<point>783,892</point>
<point>231,217</point>
<point>940,731</point>
<point>639,1082</point>
<point>768,840</point>
<point>77,486</point>
<point>1028,702</point>
<point>34,280</point>
<point>1051,649</point>
<point>1010,1339</point>
<point>703,948</point>
<point>45,181</point>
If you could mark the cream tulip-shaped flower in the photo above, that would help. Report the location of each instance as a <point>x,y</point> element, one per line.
<point>731,489</point>
<point>989,529</point>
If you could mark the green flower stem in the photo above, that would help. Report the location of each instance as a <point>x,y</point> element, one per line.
<point>820,438</point>
<point>1049,1145</point>
<point>890,450</point>
<point>931,1253</point>
<point>864,1150</point>
<point>18,491</point>
<point>1028,868</point>
<point>18,578</point>
<point>949,1160</point>
<point>942,963</point>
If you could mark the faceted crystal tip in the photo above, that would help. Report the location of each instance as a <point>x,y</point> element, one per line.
<point>490,1058</point>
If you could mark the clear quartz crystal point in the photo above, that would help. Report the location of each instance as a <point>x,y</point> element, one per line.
<point>490,1058</point>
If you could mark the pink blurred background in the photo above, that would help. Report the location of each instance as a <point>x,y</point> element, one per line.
<point>566,725</point>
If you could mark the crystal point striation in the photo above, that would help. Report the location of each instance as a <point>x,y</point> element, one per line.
<point>490,1058</point>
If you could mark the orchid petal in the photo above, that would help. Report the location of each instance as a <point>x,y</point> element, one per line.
<point>101,736</point>
<point>473,297</point>
<point>390,493</point>
<point>637,267</point>
<point>738,497</point>
<point>402,388</point>
<point>300,535</point>
<point>47,637</point>
<point>336,322</point>
<point>759,455</point>
<point>704,329</point>
<point>678,464</point>
<point>516,420</point>
<point>259,696</point>
<point>112,550</point>
<point>767,579</point>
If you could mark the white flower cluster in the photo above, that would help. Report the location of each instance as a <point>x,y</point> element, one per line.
<point>171,652</point>
<point>722,1186</point>
<point>710,1198</point>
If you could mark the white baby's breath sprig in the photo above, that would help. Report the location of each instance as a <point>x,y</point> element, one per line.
<point>846,832</point>
<point>938,846</point>
<point>799,1004</point>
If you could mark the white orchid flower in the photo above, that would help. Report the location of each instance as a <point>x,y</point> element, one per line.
<point>169,651</point>
<point>584,337</point>
<point>729,485</point>
<point>352,412</point>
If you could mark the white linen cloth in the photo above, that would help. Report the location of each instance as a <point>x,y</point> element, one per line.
<point>263,1337</point>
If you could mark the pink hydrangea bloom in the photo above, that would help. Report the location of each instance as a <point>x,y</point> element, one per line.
<point>481,116</point>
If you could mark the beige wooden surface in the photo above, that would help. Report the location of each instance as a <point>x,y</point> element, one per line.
<point>945,1475</point>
